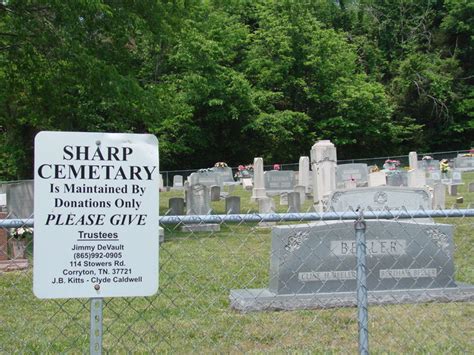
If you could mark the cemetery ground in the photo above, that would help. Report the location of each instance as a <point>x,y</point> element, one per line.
<point>191,312</point>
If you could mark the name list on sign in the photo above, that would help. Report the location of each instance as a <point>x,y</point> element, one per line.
<point>100,210</point>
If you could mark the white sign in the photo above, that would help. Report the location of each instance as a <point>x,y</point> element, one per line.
<point>96,215</point>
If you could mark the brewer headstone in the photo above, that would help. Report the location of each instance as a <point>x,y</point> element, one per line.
<point>314,266</point>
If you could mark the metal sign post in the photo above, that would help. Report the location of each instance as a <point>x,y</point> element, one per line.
<point>95,338</point>
<point>362,301</point>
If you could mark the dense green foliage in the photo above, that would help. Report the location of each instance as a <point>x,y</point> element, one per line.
<point>227,80</point>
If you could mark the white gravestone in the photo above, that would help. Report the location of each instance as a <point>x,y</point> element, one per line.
<point>439,196</point>
<point>178,182</point>
<point>378,178</point>
<point>303,173</point>
<point>413,160</point>
<point>247,183</point>
<point>258,190</point>
<point>416,178</point>
<point>323,162</point>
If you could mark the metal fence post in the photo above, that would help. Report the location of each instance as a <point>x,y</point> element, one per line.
<point>362,300</point>
<point>95,339</point>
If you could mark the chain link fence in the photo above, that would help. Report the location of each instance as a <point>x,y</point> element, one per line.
<point>168,175</point>
<point>279,282</point>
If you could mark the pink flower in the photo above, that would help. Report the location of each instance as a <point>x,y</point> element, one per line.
<point>276,166</point>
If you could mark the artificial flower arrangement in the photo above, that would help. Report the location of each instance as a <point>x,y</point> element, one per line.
<point>22,233</point>
<point>391,164</point>
<point>244,171</point>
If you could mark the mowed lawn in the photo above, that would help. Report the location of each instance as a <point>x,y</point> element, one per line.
<point>191,312</point>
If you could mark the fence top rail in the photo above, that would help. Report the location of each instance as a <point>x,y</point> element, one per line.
<point>287,217</point>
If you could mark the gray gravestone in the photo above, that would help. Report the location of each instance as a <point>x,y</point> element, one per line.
<point>439,196</point>
<point>471,187</point>
<point>294,202</point>
<point>302,191</point>
<point>176,206</point>
<point>380,198</point>
<point>207,178</point>
<point>434,177</point>
<point>177,182</point>
<point>266,205</point>
<point>314,266</point>
<point>20,199</point>
<point>428,164</point>
<point>232,205</point>
<point>284,199</point>
<point>453,190</point>
<point>456,177</point>
<point>197,201</point>
<point>352,172</point>
<point>464,163</point>
<point>226,175</point>
<point>397,178</point>
<point>215,193</point>
<point>277,181</point>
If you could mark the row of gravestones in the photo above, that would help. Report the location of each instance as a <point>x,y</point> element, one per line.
<point>313,265</point>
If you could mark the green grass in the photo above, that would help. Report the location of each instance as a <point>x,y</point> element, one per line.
<point>191,313</point>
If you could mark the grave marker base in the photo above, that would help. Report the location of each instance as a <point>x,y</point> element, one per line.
<point>13,265</point>
<point>253,300</point>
